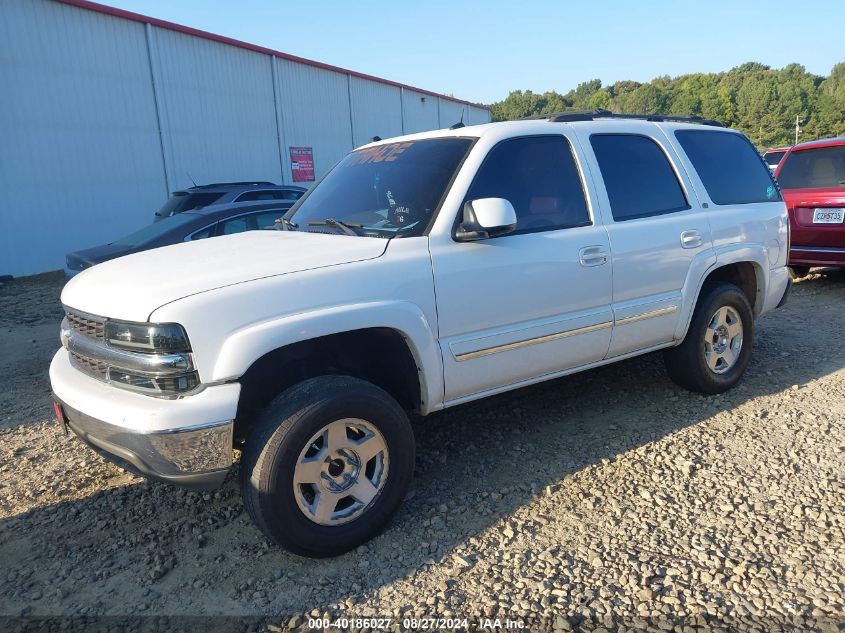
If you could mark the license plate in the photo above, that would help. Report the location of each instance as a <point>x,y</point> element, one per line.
<point>828,216</point>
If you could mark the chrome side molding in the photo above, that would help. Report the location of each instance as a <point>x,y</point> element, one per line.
<point>558,335</point>
<point>532,341</point>
<point>647,315</point>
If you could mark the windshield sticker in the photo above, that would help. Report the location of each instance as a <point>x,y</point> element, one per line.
<point>382,153</point>
<point>770,192</point>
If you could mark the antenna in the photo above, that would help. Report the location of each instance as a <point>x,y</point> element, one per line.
<point>460,123</point>
<point>191,179</point>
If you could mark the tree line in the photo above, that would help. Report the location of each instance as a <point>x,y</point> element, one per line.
<point>754,98</point>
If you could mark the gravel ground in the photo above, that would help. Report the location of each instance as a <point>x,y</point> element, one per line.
<point>608,499</point>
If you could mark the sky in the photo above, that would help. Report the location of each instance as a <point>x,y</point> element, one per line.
<point>480,51</point>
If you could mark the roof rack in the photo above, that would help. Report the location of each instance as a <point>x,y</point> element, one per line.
<point>590,115</point>
<point>262,183</point>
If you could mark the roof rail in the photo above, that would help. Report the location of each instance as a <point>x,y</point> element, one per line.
<point>262,183</point>
<point>590,115</point>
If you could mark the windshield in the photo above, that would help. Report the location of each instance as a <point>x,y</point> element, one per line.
<point>823,167</point>
<point>773,158</point>
<point>382,191</point>
<point>154,231</point>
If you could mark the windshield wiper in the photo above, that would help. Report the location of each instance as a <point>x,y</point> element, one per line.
<point>346,227</point>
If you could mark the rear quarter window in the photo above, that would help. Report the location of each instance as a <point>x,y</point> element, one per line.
<point>729,166</point>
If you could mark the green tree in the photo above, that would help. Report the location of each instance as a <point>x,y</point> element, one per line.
<point>752,97</point>
<point>599,100</point>
<point>519,105</point>
<point>580,97</point>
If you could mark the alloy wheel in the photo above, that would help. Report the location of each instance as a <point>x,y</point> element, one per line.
<point>341,470</point>
<point>723,339</point>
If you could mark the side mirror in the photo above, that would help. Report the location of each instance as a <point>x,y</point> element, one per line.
<point>485,218</point>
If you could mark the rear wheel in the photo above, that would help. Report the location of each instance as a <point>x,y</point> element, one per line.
<point>327,465</point>
<point>717,348</point>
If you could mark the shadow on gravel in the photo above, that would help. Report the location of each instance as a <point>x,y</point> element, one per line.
<point>150,548</point>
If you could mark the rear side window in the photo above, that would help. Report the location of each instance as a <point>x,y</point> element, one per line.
<point>822,167</point>
<point>236,225</point>
<point>538,176</point>
<point>259,195</point>
<point>729,167</point>
<point>639,180</point>
<point>270,194</point>
<point>204,233</point>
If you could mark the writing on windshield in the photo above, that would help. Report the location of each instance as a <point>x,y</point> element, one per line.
<point>384,190</point>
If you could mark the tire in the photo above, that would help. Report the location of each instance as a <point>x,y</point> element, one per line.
<point>315,433</point>
<point>716,363</point>
<point>799,272</point>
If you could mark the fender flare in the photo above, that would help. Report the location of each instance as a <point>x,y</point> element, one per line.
<point>245,346</point>
<point>747,252</point>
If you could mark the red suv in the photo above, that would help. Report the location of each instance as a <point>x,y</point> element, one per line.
<point>812,176</point>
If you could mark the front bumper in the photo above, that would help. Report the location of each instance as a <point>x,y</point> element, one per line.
<point>186,441</point>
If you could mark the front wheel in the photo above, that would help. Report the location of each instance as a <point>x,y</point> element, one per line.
<point>327,465</point>
<point>717,348</point>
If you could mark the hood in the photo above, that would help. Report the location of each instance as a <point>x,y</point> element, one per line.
<point>132,287</point>
<point>98,254</point>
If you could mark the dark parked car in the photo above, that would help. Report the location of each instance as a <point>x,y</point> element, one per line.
<point>219,219</point>
<point>773,156</point>
<point>225,192</point>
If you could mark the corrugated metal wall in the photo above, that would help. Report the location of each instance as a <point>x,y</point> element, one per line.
<point>376,110</point>
<point>478,116</point>
<point>421,111</point>
<point>450,113</point>
<point>216,101</point>
<point>314,105</point>
<point>79,147</point>
<point>102,116</point>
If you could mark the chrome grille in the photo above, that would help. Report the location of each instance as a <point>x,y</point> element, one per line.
<point>90,366</point>
<point>85,324</point>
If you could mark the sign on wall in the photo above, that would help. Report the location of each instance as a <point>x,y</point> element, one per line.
<point>302,164</point>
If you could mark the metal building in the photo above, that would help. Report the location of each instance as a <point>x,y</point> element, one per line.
<point>104,112</point>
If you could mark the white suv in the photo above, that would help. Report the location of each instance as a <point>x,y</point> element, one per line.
<point>421,273</point>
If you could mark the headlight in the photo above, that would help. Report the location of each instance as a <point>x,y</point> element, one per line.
<point>151,358</point>
<point>147,338</point>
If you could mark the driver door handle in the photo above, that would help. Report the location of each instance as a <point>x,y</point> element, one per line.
<point>592,256</point>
